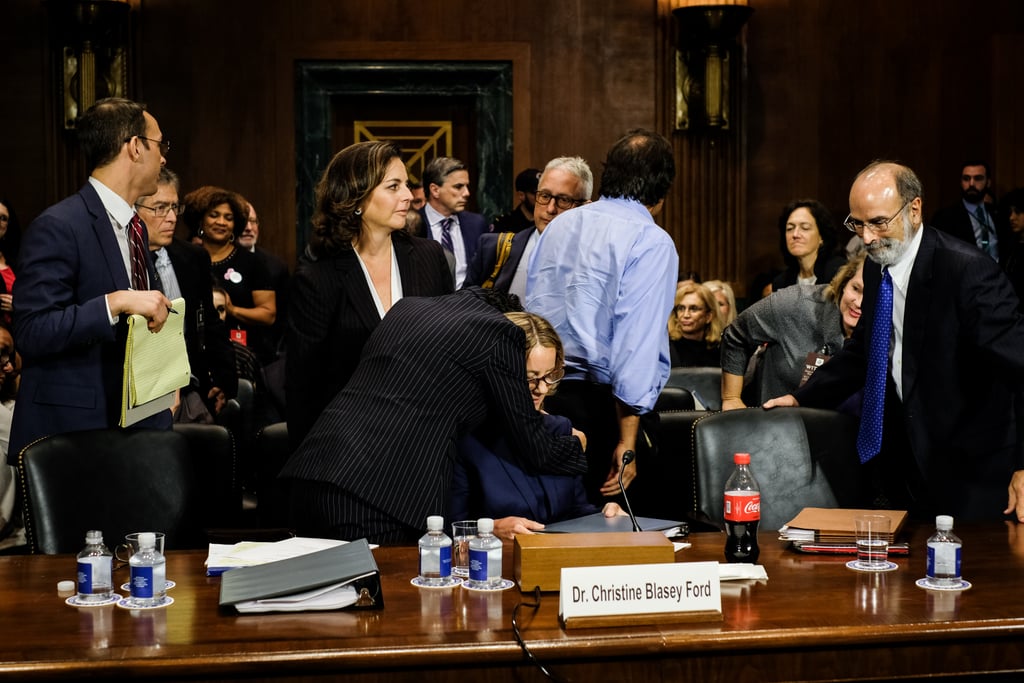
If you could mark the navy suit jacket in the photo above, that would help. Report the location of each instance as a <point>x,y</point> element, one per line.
<point>471,225</point>
<point>73,357</point>
<point>489,482</point>
<point>962,363</point>
<point>332,315</point>
<point>482,264</point>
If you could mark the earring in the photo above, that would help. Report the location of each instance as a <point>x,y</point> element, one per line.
<point>201,232</point>
<point>232,238</point>
<point>359,212</point>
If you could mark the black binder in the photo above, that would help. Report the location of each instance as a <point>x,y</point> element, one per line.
<point>352,563</point>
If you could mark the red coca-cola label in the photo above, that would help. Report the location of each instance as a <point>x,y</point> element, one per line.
<point>742,506</point>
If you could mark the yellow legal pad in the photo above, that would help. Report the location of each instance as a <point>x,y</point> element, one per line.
<point>155,366</point>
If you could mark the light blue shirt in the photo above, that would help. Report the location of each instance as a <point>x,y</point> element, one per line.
<point>604,275</point>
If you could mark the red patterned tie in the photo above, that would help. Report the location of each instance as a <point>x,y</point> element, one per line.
<point>137,252</point>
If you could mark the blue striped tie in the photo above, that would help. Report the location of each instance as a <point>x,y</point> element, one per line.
<point>869,437</point>
<point>446,234</point>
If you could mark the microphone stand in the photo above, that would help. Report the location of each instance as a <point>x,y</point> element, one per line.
<point>628,457</point>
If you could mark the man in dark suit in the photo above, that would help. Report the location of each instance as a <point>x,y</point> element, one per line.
<point>950,440</point>
<point>183,270</point>
<point>565,184</point>
<point>521,217</point>
<point>379,459</point>
<point>445,219</point>
<point>971,219</point>
<point>83,268</point>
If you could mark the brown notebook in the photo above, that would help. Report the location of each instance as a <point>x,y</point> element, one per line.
<point>835,525</point>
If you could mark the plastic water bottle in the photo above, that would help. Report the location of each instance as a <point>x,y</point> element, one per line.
<point>435,554</point>
<point>95,569</point>
<point>742,512</point>
<point>943,554</point>
<point>484,556</point>
<point>148,573</point>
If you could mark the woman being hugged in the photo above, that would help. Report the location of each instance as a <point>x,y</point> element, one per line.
<point>360,261</point>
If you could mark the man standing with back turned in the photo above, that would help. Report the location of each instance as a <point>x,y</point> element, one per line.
<point>938,353</point>
<point>84,267</point>
<point>605,276</point>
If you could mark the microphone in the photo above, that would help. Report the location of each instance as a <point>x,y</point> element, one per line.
<point>628,457</point>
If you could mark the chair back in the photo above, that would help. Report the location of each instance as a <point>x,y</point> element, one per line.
<point>704,383</point>
<point>214,458</point>
<point>792,470</point>
<point>674,398</point>
<point>272,449</point>
<point>118,481</point>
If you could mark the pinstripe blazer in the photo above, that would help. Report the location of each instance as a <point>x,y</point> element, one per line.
<point>331,315</point>
<point>433,370</point>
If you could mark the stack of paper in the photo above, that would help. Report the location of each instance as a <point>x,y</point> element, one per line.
<point>828,530</point>
<point>223,557</point>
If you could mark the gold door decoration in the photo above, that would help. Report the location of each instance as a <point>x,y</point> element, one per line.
<point>420,141</point>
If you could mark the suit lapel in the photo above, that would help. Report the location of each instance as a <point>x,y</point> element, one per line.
<point>915,312</point>
<point>354,283</point>
<point>406,272</point>
<point>508,271</point>
<point>105,237</point>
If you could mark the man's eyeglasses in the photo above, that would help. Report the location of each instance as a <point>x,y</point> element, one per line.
<point>165,145</point>
<point>879,226</point>
<point>561,201</point>
<point>162,209</point>
<point>550,379</point>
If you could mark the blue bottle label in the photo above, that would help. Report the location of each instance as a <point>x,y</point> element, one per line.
<point>84,577</point>
<point>446,562</point>
<point>142,582</point>
<point>477,564</point>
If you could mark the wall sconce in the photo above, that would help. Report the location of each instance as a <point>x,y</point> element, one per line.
<point>707,35</point>
<point>92,37</point>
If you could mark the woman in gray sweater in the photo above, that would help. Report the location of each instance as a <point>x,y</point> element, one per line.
<point>796,329</point>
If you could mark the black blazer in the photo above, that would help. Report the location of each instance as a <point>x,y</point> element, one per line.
<point>331,315</point>
<point>955,221</point>
<point>433,370</point>
<point>206,338</point>
<point>482,264</point>
<point>963,359</point>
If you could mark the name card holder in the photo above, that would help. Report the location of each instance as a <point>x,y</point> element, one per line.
<point>629,595</point>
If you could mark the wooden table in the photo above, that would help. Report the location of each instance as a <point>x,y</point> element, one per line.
<point>813,620</point>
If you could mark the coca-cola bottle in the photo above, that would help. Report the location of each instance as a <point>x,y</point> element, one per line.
<point>742,512</point>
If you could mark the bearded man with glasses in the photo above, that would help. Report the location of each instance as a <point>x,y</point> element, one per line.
<point>938,352</point>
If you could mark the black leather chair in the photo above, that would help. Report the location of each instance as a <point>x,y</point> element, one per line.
<point>271,450</point>
<point>664,486</point>
<point>214,458</point>
<point>674,398</point>
<point>118,481</point>
<point>704,383</point>
<point>801,457</point>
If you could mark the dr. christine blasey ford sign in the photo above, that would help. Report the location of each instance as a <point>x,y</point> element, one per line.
<point>639,589</point>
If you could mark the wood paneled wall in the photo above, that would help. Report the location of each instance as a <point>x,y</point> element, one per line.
<point>830,85</point>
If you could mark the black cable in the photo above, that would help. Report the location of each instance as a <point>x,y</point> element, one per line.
<point>519,636</point>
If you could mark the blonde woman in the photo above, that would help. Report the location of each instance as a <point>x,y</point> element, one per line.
<point>697,328</point>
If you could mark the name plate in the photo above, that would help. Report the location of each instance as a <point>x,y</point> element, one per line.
<point>640,593</point>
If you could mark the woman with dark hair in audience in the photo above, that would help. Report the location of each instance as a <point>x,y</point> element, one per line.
<point>1011,208</point>
<point>10,242</point>
<point>807,240</point>
<point>695,328</point>
<point>362,262</point>
<point>489,482</point>
<point>796,328</point>
<point>218,217</point>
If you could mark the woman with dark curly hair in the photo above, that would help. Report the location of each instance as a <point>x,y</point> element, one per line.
<point>361,261</point>
<point>807,240</point>
<point>218,216</point>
